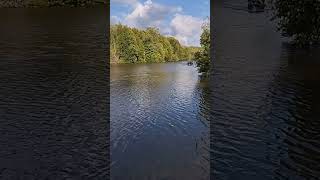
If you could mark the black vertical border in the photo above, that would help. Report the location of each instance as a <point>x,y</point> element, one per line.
<point>107,35</point>
<point>212,57</point>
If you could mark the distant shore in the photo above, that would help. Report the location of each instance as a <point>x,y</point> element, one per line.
<point>50,3</point>
<point>128,63</point>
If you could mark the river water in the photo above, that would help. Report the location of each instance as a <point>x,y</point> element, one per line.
<point>266,100</point>
<point>53,94</point>
<point>159,122</point>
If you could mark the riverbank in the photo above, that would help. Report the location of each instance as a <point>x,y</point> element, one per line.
<point>123,62</point>
<point>50,3</point>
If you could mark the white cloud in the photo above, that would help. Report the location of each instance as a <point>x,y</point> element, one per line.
<point>187,29</point>
<point>150,14</point>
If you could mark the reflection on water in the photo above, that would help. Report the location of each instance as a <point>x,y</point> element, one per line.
<point>159,123</point>
<point>266,101</point>
<point>53,94</point>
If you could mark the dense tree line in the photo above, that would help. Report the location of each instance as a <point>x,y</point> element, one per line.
<point>299,19</point>
<point>132,45</point>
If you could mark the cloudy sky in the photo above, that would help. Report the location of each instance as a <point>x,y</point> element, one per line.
<point>179,18</point>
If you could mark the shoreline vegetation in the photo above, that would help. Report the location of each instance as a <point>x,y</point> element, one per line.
<point>298,19</point>
<point>132,45</point>
<point>203,56</point>
<point>50,3</point>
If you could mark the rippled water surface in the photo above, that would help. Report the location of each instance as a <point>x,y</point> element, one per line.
<point>53,94</point>
<point>266,100</point>
<point>159,122</point>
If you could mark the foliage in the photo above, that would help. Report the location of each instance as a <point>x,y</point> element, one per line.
<point>299,19</point>
<point>203,56</point>
<point>132,45</point>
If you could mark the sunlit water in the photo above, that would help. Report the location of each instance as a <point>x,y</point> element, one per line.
<point>266,100</point>
<point>159,122</point>
<point>53,94</point>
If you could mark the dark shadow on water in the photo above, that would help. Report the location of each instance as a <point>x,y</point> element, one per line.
<point>298,86</point>
<point>265,100</point>
<point>54,94</point>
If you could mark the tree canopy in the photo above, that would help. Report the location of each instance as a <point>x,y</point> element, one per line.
<point>299,19</point>
<point>132,45</point>
<point>203,56</point>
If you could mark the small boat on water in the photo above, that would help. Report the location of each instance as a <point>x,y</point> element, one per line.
<point>189,63</point>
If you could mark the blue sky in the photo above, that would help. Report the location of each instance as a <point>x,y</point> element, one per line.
<point>181,19</point>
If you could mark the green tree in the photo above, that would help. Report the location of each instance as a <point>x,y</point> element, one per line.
<point>167,48</point>
<point>203,56</point>
<point>132,45</point>
<point>176,48</point>
<point>150,49</point>
<point>299,19</point>
<point>113,46</point>
<point>139,43</point>
<point>127,45</point>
